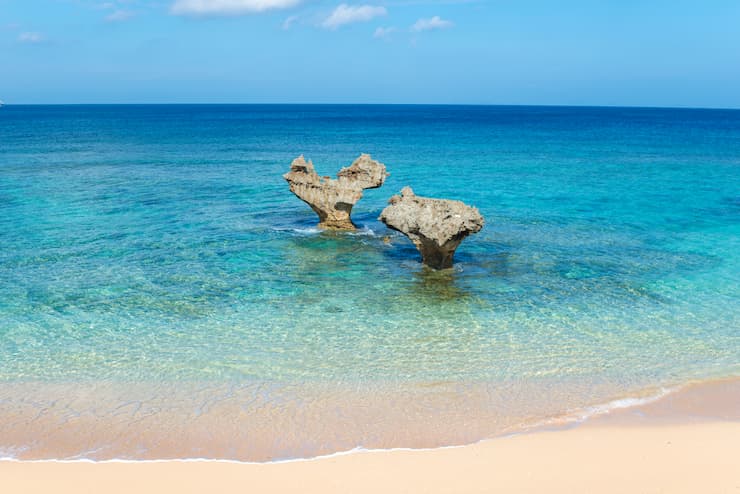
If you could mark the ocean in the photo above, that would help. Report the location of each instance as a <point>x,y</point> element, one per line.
<point>164,295</point>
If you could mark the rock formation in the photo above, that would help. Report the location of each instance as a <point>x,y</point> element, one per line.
<point>332,199</point>
<point>435,226</point>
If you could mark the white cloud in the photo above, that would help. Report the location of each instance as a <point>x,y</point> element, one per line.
<point>228,7</point>
<point>29,37</point>
<point>430,24</point>
<point>119,15</point>
<point>346,14</point>
<point>383,32</point>
<point>288,23</point>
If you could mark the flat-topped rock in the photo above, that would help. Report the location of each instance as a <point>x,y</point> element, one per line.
<point>333,199</point>
<point>435,226</point>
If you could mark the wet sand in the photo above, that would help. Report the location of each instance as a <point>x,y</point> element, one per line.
<point>256,422</point>
<point>686,442</point>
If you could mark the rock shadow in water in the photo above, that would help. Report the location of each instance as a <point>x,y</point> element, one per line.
<point>438,286</point>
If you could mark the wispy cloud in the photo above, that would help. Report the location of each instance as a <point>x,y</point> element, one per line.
<point>430,24</point>
<point>347,14</point>
<point>228,7</point>
<point>288,23</point>
<point>119,16</point>
<point>383,32</point>
<point>31,37</point>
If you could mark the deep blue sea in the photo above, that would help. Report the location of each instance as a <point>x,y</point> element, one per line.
<point>155,269</point>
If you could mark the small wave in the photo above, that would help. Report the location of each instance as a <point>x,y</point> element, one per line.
<point>306,231</point>
<point>313,230</point>
<point>356,450</point>
<point>624,403</point>
<point>580,415</point>
<point>365,230</point>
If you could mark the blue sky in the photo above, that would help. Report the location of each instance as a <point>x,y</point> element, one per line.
<point>568,52</point>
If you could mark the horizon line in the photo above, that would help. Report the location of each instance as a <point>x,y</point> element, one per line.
<point>522,105</point>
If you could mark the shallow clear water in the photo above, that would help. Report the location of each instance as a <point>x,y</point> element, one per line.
<point>160,245</point>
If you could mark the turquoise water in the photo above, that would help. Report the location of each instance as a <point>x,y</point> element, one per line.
<point>160,244</point>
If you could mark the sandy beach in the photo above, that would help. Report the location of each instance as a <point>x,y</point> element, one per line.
<point>684,443</point>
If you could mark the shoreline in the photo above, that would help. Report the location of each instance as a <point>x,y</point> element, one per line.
<point>675,404</point>
<point>568,420</point>
<point>684,442</point>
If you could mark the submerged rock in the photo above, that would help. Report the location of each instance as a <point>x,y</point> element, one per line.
<point>332,199</point>
<point>435,226</point>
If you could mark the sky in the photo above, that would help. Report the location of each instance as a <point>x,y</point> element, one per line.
<point>569,52</point>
